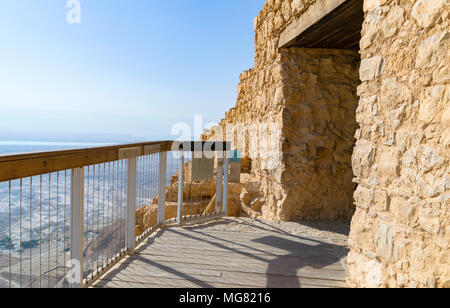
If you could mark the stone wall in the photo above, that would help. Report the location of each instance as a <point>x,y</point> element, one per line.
<point>275,16</point>
<point>310,97</point>
<point>400,234</point>
<point>257,103</point>
<point>319,99</point>
<point>255,106</point>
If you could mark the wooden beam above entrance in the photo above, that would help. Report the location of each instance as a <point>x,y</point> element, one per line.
<point>332,24</point>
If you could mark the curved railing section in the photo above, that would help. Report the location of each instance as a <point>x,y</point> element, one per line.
<point>67,216</point>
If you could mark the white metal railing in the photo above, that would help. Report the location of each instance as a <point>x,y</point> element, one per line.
<point>66,217</point>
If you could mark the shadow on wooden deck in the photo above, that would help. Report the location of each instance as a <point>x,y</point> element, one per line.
<point>230,253</point>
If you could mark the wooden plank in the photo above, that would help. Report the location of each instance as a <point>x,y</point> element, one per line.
<point>255,231</point>
<point>165,145</point>
<point>242,250</point>
<point>314,14</point>
<point>256,242</point>
<point>230,267</point>
<point>242,235</point>
<point>158,283</point>
<point>128,153</point>
<point>265,241</point>
<point>245,235</point>
<point>256,253</point>
<point>243,261</point>
<point>150,267</point>
<point>25,165</point>
<point>323,26</point>
<point>303,251</point>
<point>115,283</point>
<point>119,284</point>
<point>257,239</point>
<point>153,268</point>
<point>172,283</point>
<point>282,263</point>
<point>338,30</point>
<point>142,275</point>
<point>199,256</point>
<point>152,149</point>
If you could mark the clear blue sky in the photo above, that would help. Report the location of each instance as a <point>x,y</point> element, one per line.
<point>130,70</point>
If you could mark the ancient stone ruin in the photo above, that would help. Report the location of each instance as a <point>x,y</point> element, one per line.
<point>354,96</point>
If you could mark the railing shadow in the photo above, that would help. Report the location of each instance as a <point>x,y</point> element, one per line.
<point>317,257</point>
<point>309,253</point>
<point>292,261</point>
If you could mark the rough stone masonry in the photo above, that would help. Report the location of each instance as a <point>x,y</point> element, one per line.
<point>363,134</point>
<point>311,95</point>
<point>400,233</point>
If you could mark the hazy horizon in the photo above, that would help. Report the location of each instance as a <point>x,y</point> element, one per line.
<point>128,72</point>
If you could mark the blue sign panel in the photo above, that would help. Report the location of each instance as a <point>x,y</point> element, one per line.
<point>235,156</point>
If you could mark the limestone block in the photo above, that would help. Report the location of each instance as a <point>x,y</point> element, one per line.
<point>384,240</point>
<point>393,21</point>
<point>404,213</point>
<point>363,157</point>
<point>297,6</point>
<point>364,271</point>
<point>388,165</point>
<point>426,12</point>
<point>429,159</point>
<point>286,10</point>
<point>396,117</point>
<point>368,37</point>
<point>382,201</point>
<point>371,68</point>
<point>445,120</point>
<point>363,195</point>
<point>446,280</point>
<point>445,139</point>
<point>370,5</point>
<point>365,111</point>
<point>434,50</point>
<point>394,94</point>
<point>428,222</point>
<point>373,17</point>
<point>431,102</point>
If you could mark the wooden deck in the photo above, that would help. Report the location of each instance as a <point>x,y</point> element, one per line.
<point>244,255</point>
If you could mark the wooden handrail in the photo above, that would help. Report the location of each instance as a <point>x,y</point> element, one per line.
<point>18,166</point>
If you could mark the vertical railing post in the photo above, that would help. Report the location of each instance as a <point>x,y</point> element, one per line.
<point>76,226</point>
<point>225,183</point>
<point>162,188</point>
<point>180,187</point>
<point>219,175</point>
<point>131,205</point>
